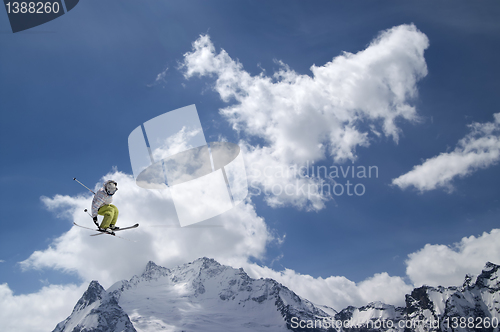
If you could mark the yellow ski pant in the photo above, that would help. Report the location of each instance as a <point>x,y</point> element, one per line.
<point>110,213</point>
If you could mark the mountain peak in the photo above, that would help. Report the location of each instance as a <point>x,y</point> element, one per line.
<point>489,277</point>
<point>489,266</point>
<point>153,271</point>
<point>207,262</point>
<point>96,311</point>
<point>150,266</point>
<point>94,292</point>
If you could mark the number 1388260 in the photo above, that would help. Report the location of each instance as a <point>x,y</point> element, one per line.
<point>470,322</point>
<point>32,7</point>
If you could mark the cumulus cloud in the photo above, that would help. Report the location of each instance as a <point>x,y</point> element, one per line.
<point>437,264</point>
<point>176,143</point>
<point>37,312</point>
<point>479,149</point>
<point>433,265</point>
<point>345,104</point>
<point>338,292</point>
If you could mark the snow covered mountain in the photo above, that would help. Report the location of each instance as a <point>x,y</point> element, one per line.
<point>96,311</point>
<point>475,306</point>
<point>207,296</point>
<point>199,296</point>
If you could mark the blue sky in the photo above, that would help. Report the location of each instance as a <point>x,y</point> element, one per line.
<point>73,89</point>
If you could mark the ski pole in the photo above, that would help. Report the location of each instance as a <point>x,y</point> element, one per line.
<point>92,193</point>
<point>89,190</point>
<point>91,217</point>
<point>87,212</point>
<point>84,185</point>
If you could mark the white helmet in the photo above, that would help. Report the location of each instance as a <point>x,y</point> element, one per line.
<point>111,187</point>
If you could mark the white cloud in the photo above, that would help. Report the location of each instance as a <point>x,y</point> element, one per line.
<point>268,176</point>
<point>344,105</point>
<point>37,312</point>
<point>437,264</point>
<point>433,265</point>
<point>478,149</point>
<point>336,291</point>
<point>160,78</point>
<point>176,143</point>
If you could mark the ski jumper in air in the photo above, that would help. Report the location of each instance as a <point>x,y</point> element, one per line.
<point>101,204</point>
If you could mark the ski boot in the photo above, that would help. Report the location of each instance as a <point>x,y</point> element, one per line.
<point>107,230</point>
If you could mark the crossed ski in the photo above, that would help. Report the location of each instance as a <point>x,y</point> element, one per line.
<point>100,232</point>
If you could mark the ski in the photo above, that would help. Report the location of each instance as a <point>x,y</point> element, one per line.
<point>124,228</point>
<point>102,232</point>
<point>116,230</point>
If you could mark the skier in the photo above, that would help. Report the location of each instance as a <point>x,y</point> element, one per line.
<point>101,204</point>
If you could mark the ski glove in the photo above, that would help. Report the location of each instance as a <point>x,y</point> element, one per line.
<point>95,221</point>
